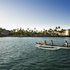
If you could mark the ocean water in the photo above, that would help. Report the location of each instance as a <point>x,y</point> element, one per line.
<point>20,53</point>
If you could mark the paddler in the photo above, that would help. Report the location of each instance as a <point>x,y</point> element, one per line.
<point>66,44</point>
<point>51,42</point>
<point>45,42</point>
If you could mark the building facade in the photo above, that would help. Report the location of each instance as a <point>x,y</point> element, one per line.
<point>67,32</point>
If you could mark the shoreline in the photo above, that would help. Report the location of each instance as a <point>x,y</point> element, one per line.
<point>34,36</point>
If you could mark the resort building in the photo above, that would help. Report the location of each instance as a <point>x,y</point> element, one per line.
<point>66,32</point>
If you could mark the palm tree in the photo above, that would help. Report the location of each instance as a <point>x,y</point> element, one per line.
<point>62,30</point>
<point>58,27</point>
<point>51,31</point>
<point>27,29</point>
<point>34,29</point>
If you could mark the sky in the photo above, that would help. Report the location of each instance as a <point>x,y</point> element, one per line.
<point>39,14</point>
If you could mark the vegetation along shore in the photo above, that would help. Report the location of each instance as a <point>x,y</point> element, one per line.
<point>20,32</point>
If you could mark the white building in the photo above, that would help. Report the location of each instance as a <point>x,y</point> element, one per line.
<point>67,32</point>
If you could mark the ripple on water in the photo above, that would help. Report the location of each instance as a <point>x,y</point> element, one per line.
<point>21,54</point>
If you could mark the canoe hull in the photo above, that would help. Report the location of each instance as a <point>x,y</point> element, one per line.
<point>50,47</point>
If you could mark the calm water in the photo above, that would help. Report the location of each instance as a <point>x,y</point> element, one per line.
<point>20,53</point>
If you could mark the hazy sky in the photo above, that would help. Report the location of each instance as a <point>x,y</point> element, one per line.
<point>34,13</point>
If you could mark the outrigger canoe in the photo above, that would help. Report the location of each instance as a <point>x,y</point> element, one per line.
<point>51,47</point>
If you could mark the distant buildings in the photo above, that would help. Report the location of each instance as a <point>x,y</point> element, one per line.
<point>66,32</point>
<point>5,33</point>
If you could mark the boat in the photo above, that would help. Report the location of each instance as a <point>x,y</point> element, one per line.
<point>51,47</point>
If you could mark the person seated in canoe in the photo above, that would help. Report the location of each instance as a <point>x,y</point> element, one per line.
<point>66,44</point>
<point>51,42</point>
<point>45,42</point>
<point>39,43</point>
<point>42,43</point>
